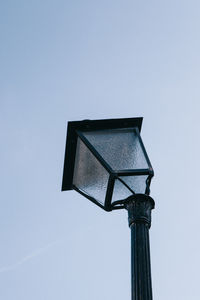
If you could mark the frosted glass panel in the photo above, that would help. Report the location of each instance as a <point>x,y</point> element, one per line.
<point>120,191</point>
<point>120,148</point>
<point>89,175</point>
<point>136,183</point>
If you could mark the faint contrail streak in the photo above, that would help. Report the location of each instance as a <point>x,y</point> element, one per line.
<point>29,257</point>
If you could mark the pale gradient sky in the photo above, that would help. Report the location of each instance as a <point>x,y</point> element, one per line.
<point>74,60</point>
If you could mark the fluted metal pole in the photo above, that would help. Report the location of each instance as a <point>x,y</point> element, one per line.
<point>139,208</point>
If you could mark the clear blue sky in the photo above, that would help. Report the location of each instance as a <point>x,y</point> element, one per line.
<point>73,60</point>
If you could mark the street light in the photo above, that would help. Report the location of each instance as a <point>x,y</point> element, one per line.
<point>105,161</point>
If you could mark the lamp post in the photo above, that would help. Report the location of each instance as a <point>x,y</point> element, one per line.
<point>105,161</point>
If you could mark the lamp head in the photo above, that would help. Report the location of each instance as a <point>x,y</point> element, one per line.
<point>105,161</point>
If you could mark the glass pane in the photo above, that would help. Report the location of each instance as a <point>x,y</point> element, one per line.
<point>89,175</point>
<point>136,183</point>
<point>120,148</point>
<point>120,191</point>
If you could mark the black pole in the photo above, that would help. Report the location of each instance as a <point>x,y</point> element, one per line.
<point>139,208</point>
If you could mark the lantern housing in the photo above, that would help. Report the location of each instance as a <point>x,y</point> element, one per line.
<point>105,161</point>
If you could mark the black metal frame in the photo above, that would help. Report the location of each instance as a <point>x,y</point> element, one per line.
<point>75,130</point>
<point>71,141</point>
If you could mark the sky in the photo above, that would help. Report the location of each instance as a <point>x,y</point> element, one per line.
<point>66,60</point>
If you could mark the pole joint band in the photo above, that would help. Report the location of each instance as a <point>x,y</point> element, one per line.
<point>139,208</point>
